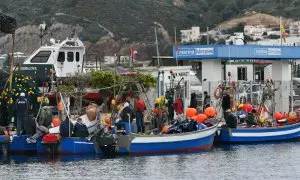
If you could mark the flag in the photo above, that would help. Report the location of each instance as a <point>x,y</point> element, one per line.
<point>132,53</point>
<point>283,33</point>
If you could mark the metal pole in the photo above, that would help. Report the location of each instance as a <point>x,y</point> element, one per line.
<point>129,128</point>
<point>291,88</point>
<point>184,91</point>
<point>176,45</point>
<point>207,36</point>
<point>280,26</point>
<point>158,84</point>
<point>96,62</point>
<point>157,51</point>
<point>12,62</point>
<point>115,72</point>
<point>251,92</point>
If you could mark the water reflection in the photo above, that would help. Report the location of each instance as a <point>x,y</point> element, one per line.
<point>257,161</point>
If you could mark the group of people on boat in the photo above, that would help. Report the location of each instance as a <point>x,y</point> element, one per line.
<point>126,112</point>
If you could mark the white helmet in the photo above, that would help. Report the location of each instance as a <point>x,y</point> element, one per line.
<point>22,94</point>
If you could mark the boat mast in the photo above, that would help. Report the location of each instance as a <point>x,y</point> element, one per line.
<point>12,62</point>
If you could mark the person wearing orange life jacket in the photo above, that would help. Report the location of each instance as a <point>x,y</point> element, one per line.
<point>178,106</point>
<point>140,107</point>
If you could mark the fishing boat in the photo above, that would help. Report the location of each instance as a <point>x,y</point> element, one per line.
<point>133,144</point>
<point>67,146</point>
<point>4,140</point>
<point>16,145</point>
<point>71,145</point>
<point>259,135</point>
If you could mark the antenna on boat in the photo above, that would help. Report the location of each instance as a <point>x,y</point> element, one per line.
<point>42,27</point>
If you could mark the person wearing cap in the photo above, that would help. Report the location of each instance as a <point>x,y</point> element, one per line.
<point>231,120</point>
<point>22,108</point>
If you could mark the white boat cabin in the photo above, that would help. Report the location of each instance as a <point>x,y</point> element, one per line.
<point>66,58</point>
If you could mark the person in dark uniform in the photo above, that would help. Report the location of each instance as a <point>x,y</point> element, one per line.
<point>22,108</point>
<point>231,120</point>
<point>66,128</point>
<point>206,101</point>
<point>225,102</point>
<point>80,129</point>
<point>193,103</point>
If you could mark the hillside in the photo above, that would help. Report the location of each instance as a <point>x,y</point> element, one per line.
<point>124,23</point>
<point>254,19</point>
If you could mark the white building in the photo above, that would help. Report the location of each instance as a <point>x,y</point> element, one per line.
<point>190,35</point>
<point>295,28</point>
<point>254,30</point>
<point>290,41</point>
<point>273,33</point>
<point>236,39</point>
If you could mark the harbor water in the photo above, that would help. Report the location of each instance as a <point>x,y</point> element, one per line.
<point>257,161</point>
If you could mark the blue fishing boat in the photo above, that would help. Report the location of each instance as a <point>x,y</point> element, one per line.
<point>4,140</point>
<point>19,145</point>
<point>201,140</point>
<point>16,145</point>
<point>262,134</point>
<point>69,145</point>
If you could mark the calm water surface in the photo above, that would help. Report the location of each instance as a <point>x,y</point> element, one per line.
<point>270,161</point>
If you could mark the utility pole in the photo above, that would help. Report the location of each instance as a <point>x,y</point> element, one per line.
<point>176,45</point>
<point>157,51</point>
<point>280,26</point>
<point>207,36</point>
<point>12,62</point>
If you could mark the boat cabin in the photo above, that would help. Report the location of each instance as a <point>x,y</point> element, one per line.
<point>64,58</point>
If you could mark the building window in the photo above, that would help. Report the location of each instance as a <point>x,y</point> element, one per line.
<point>70,57</point>
<point>77,56</point>
<point>242,73</point>
<point>41,57</point>
<point>61,57</point>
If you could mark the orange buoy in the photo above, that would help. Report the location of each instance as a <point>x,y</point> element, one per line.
<point>165,129</point>
<point>292,117</point>
<point>248,108</point>
<point>210,112</point>
<point>60,106</point>
<point>241,106</point>
<point>201,118</point>
<point>278,116</point>
<point>56,122</point>
<point>191,112</point>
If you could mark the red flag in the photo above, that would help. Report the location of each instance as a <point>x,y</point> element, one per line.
<point>132,53</point>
